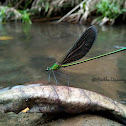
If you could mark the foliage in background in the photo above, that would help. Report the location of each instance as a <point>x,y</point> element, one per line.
<point>110,9</point>
<point>25,16</point>
<point>11,14</point>
<point>3,14</point>
<point>98,11</point>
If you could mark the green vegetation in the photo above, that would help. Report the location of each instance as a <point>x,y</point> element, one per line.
<point>99,11</point>
<point>110,9</point>
<point>104,10</point>
<point>7,14</point>
<point>3,14</point>
<point>25,18</point>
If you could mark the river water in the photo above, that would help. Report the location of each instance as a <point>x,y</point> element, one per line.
<point>24,58</point>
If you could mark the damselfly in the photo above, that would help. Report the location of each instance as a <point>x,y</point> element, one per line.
<point>79,50</point>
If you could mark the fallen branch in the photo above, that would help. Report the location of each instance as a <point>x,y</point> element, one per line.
<point>70,12</point>
<point>55,99</point>
<point>17,5</point>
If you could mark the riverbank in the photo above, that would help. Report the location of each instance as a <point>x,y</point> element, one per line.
<point>76,11</point>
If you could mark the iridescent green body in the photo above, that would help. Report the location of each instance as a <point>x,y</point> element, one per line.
<point>96,57</point>
<point>79,50</point>
<point>56,66</point>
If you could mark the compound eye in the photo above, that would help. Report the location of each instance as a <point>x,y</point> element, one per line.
<point>47,69</point>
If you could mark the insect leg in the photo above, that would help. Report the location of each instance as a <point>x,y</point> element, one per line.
<point>64,75</point>
<point>49,76</point>
<point>55,77</point>
<point>68,81</point>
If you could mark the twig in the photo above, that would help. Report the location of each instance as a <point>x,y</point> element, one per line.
<point>60,20</point>
<point>18,4</point>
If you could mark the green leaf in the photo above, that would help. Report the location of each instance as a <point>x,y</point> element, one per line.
<point>47,7</point>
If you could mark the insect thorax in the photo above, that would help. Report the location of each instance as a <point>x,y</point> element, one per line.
<point>55,66</point>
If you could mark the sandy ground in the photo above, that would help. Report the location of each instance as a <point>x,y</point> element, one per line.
<point>38,119</point>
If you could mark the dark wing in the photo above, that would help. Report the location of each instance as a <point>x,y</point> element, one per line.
<point>81,47</point>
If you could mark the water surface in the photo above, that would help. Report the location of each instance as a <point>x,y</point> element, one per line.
<point>24,58</point>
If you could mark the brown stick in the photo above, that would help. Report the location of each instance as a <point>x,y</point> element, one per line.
<point>70,12</point>
<point>18,4</point>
